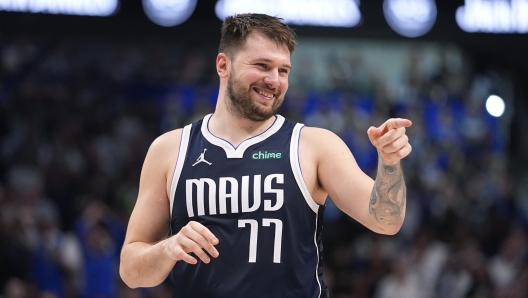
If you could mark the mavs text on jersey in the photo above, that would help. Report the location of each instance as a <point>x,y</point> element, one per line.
<point>254,200</point>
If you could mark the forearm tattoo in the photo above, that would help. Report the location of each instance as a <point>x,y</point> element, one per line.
<point>387,201</point>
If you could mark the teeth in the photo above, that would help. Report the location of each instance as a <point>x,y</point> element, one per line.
<point>270,95</point>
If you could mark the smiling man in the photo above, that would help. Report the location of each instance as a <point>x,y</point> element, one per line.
<point>241,193</point>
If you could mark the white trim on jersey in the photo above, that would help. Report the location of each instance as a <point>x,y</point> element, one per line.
<point>184,143</point>
<point>238,152</point>
<point>318,257</point>
<point>296,167</point>
<point>297,173</point>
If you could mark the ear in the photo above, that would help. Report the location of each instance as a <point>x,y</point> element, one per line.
<point>222,65</point>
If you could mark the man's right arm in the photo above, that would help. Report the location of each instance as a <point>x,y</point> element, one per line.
<point>148,256</point>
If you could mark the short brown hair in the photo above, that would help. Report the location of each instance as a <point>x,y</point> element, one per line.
<point>236,28</point>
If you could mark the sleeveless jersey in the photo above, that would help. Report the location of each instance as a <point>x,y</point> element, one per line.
<point>254,200</point>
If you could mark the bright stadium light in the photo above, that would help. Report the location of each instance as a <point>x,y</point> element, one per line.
<point>328,13</point>
<point>493,16</point>
<point>495,106</point>
<point>169,13</point>
<point>410,18</point>
<point>99,8</point>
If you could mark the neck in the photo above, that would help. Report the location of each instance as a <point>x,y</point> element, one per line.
<point>224,124</point>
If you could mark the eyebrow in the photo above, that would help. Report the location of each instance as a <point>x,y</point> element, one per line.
<point>271,61</point>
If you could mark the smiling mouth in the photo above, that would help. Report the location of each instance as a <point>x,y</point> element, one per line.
<point>267,95</point>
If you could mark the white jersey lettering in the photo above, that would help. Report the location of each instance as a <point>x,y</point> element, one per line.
<point>245,193</point>
<point>278,192</point>
<point>228,189</point>
<point>200,195</point>
<point>233,195</point>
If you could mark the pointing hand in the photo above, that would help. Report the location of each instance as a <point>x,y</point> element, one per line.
<point>390,139</point>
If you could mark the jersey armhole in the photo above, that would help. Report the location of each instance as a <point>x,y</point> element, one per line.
<point>296,167</point>
<point>184,143</point>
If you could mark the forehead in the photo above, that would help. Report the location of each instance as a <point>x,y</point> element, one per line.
<point>259,46</point>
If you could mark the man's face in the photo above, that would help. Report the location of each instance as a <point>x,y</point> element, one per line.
<point>258,78</point>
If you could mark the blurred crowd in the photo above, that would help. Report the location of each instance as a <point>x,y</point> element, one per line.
<point>77,117</point>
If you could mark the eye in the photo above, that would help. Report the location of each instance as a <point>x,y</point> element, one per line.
<point>283,70</point>
<point>262,65</point>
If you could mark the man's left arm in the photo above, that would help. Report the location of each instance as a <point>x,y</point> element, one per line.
<point>388,197</point>
<point>377,204</point>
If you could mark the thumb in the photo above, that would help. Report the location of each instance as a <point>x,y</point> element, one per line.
<point>373,132</point>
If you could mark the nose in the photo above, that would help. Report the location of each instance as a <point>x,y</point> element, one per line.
<point>272,78</point>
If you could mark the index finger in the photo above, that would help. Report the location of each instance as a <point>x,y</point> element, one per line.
<point>205,232</point>
<point>397,123</point>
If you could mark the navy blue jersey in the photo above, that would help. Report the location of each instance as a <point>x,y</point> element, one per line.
<point>254,200</point>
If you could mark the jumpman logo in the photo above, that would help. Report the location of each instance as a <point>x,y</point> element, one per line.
<point>202,159</point>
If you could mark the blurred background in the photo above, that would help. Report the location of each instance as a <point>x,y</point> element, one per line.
<point>87,85</point>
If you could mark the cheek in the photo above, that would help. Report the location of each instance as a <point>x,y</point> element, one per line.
<point>251,77</point>
<point>284,84</point>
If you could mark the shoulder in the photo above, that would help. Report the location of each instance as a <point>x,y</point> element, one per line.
<point>168,139</point>
<point>161,158</point>
<point>310,132</point>
<point>319,138</point>
<point>320,152</point>
<point>166,145</point>
<point>323,146</point>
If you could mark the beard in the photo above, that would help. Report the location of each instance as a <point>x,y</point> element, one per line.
<point>241,103</point>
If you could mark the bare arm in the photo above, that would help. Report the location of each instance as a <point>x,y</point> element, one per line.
<point>389,194</point>
<point>148,256</point>
<point>336,173</point>
<point>388,198</point>
<point>144,261</point>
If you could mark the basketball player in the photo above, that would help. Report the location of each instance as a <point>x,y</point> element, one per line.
<point>241,192</point>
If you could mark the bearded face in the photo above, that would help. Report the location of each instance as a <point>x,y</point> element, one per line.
<point>244,101</point>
